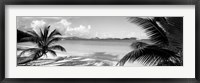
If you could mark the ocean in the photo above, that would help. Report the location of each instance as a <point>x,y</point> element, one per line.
<point>117,48</point>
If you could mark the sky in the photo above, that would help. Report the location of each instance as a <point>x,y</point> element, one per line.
<point>84,26</point>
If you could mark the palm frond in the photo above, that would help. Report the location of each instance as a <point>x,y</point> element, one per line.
<point>52,40</point>
<point>173,61</point>
<point>52,52</point>
<point>149,55</point>
<point>174,29</point>
<point>161,19</point>
<point>30,39</point>
<point>175,44</point>
<point>33,33</point>
<point>43,42</point>
<point>35,38</point>
<point>41,34</point>
<point>53,33</point>
<point>46,31</point>
<point>29,50</point>
<point>176,22</point>
<point>153,30</point>
<point>44,35</point>
<point>24,60</point>
<point>137,45</point>
<point>40,44</point>
<point>57,47</point>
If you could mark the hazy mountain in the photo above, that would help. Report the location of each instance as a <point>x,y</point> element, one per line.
<point>97,38</point>
<point>20,35</point>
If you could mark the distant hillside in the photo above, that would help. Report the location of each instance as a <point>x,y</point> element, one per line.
<point>146,41</point>
<point>97,38</point>
<point>21,34</point>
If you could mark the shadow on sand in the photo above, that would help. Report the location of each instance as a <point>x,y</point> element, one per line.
<point>95,59</point>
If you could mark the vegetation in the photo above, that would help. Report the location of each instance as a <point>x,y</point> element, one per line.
<point>45,43</point>
<point>166,35</point>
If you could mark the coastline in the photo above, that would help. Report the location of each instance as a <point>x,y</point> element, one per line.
<point>80,54</point>
<point>70,60</point>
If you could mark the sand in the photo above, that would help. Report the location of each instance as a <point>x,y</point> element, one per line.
<point>63,59</point>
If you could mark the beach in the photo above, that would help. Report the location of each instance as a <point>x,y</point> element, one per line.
<point>82,53</point>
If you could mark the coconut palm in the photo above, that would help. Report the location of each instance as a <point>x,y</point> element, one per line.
<point>166,35</point>
<point>45,43</point>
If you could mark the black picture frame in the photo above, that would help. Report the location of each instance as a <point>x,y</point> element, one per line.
<point>99,2</point>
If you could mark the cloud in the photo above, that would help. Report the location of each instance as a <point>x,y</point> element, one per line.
<point>65,22</point>
<point>65,28</point>
<point>84,31</point>
<point>80,31</point>
<point>81,28</point>
<point>61,26</point>
<point>36,25</point>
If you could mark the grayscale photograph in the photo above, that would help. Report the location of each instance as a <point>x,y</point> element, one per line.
<point>99,41</point>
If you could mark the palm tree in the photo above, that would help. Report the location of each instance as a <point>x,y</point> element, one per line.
<point>166,33</point>
<point>44,41</point>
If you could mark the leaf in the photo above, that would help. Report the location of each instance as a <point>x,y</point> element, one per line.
<point>52,40</point>
<point>41,35</point>
<point>154,31</point>
<point>149,55</point>
<point>52,52</point>
<point>137,45</point>
<point>46,31</point>
<point>53,33</point>
<point>33,33</point>
<point>57,47</point>
<point>174,29</point>
<point>30,39</point>
<point>30,49</point>
<point>43,41</point>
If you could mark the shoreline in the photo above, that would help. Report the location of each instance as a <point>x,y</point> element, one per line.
<point>74,58</point>
<point>71,60</point>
